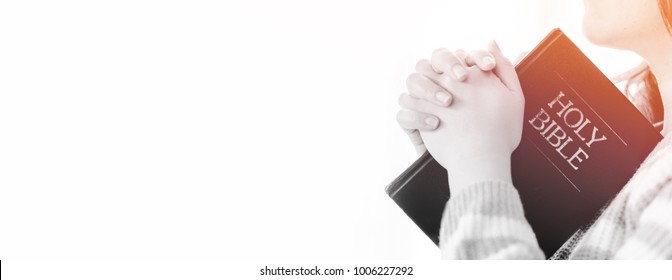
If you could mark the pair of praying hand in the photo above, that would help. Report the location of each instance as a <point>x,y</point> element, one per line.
<point>467,111</point>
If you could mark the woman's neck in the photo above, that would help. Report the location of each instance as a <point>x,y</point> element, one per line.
<point>659,59</point>
<point>665,88</point>
<point>662,70</point>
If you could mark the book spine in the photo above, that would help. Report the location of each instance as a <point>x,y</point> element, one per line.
<point>538,51</point>
<point>402,180</point>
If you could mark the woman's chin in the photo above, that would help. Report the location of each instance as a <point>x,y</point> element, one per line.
<point>597,37</point>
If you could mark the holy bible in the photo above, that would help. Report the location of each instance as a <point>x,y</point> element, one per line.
<point>582,141</point>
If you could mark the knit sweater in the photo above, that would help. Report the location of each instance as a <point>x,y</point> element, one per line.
<point>486,220</point>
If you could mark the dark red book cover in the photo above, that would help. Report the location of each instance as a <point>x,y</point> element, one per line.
<point>582,141</point>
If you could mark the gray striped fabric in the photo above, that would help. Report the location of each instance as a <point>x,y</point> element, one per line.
<point>486,220</point>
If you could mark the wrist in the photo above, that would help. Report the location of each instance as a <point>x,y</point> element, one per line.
<point>471,170</point>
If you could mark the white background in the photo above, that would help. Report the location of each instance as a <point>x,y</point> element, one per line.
<point>202,129</point>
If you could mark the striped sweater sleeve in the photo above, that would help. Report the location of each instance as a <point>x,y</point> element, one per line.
<point>652,235</point>
<point>486,221</point>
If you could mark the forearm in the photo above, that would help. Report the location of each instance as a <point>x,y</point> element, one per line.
<point>468,171</point>
<point>485,220</point>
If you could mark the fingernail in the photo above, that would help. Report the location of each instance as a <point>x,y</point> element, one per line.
<point>459,72</point>
<point>443,97</point>
<point>437,71</point>
<point>432,122</point>
<point>488,61</point>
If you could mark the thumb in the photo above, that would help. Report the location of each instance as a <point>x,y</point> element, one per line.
<point>504,69</point>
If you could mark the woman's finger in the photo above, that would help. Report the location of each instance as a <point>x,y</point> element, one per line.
<point>482,59</point>
<point>504,69</point>
<point>445,61</point>
<point>417,141</point>
<point>425,68</point>
<point>406,101</point>
<point>422,87</point>
<point>411,120</point>
<point>461,54</point>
